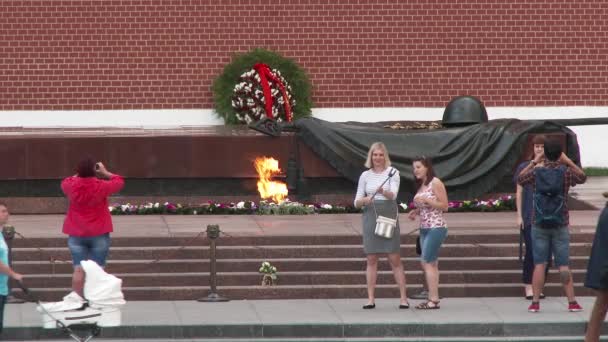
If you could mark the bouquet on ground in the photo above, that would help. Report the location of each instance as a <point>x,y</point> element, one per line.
<point>269,274</point>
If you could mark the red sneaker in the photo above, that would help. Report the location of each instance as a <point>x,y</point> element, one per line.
<point>534,307</point>
<point>574,307</point>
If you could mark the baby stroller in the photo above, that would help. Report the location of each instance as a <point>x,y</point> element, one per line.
<point>101,308</point>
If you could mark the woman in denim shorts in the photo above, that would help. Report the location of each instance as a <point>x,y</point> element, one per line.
<point>88,222</point>
<point>431,201</point>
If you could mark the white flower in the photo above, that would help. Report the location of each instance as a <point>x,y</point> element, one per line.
<point>110,209</point>
<point>403,205</point>
<point>240,205</point>
<point>194,212</point>
<point>124,207</point>
<point>326,206</point>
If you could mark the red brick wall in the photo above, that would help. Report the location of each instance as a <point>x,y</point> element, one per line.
<point>141,54</point>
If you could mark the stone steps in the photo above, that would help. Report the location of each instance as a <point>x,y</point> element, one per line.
<point>375,339</point>
<point>306,291</point>
<point>279,251</point>
<point>497,235</point>
<point>309,267</point>
<point>297,278</point>
<point>291,264</point>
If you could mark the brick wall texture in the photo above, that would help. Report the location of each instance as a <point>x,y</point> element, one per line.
<point>151,54</point>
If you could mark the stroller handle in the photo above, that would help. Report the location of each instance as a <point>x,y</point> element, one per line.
<point>28,294</point>
<point>23,287</point>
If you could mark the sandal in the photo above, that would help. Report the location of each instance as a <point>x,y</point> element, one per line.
<point>404,306</point>
<point>428,305</point>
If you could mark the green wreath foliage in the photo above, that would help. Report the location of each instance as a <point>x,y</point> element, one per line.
<point>223,86</point>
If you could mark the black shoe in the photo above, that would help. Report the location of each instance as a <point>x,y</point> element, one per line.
<point>369,306</point>
<point>404,306</point>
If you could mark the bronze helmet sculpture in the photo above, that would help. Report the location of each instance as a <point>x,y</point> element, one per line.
<point>464,110</point>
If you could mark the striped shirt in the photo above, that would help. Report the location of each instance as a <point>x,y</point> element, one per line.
<point>369,181</point>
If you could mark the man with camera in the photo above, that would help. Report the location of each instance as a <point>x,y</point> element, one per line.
<point>550,217</point>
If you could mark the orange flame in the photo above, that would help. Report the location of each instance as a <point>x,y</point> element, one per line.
<point>266,168</point>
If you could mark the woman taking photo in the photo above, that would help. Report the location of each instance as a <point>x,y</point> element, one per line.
<point>88,222</point>
<point>431,201</point>
<point>383,203</point>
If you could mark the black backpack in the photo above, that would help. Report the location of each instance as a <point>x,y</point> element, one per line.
<point>549,198</point>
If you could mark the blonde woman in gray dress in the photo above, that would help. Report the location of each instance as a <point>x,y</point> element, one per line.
<point>384,201</point>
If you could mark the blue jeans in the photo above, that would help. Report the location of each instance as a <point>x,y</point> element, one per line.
<point>546,239</point>
<point>430,241</point>
<point>94,248</point>
<point>528,264</point>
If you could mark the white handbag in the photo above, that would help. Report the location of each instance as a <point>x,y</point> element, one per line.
<point>385,226</point>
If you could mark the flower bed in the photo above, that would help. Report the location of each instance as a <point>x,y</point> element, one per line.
<point>504,203</point>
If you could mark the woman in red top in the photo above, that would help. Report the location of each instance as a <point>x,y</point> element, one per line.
<point>88,222</point>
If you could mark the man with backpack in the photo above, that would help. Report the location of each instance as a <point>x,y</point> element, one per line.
<point>550,218</point>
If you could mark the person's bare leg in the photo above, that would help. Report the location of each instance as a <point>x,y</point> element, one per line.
<point>431,271</point>
<point>371,274</point>
<point>395,260</point>
<point>538,281</point>
<point>598,315</point>
<point>566,280</point>
<point>78,281</point>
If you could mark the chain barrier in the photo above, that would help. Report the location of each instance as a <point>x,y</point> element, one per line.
<point>54,261</point>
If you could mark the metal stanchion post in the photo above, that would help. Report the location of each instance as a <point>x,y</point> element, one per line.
<point>9,234</point>
<point>213,232</point>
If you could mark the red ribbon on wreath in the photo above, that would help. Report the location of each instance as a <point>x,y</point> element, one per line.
<point>265,74</point>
